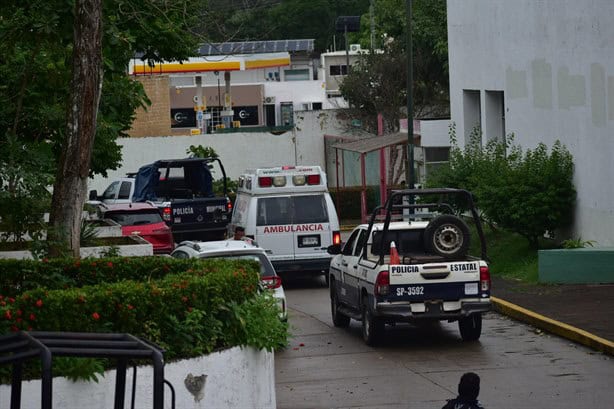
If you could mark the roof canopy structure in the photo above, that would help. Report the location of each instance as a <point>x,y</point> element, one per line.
<point>367,145</point>
<point>217,63</point>
<point>231,56</point>
<point>363,146</point>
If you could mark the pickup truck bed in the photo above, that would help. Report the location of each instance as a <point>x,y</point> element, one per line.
<point>411,270</point>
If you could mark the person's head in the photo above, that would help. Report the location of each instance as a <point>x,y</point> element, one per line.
<point>239,233</point>
<point>469,386</point>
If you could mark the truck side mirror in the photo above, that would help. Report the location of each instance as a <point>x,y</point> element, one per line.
<point>93,195</point>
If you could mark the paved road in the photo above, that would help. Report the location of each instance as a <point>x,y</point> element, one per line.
<point>520,367</point>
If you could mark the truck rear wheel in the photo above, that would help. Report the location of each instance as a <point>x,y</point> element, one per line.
<point>339,319</point>
<point>447,236</point>
<point>372,327</point>
<point>470,327</point>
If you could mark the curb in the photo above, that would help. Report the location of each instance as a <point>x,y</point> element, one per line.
<point>555,327</point>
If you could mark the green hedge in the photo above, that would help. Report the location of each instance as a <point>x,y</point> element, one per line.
<point>23,275</point>
<point>210,305</point>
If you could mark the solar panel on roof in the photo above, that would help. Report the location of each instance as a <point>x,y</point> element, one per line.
<point>256,47</point>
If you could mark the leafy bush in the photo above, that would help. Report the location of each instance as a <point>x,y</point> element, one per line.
<point>24,275</point>
<point>531,194</point>
<point>218,305</point>
<point>25,173</point>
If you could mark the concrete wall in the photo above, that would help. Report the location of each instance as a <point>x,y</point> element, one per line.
<point>553,60</point>
<point>304,145</point>
<point>235,378</point>
<point>156,119</point>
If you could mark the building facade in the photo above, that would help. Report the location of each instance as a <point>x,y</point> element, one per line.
<point>255,84</point>
<point>543,71</point>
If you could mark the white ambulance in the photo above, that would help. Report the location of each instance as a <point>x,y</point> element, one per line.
<point>288,211</point>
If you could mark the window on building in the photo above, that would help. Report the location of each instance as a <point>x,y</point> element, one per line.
<point>494,112</point>
<point>316,106</point>
<point>297,75</point>
<point>436,154</point>
<point>338,69</point>
<point>472,113</point>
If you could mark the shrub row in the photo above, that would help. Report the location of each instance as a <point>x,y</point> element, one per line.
<point>19,276</point>
<point>214,305</point>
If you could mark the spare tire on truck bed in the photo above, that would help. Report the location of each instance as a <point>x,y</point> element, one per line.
<point>447,236</point>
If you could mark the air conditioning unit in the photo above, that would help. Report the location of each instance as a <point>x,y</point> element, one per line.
<point>354,47</point>
<point>269,100</point>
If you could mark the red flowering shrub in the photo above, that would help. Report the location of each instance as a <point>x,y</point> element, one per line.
<point>188,307</point>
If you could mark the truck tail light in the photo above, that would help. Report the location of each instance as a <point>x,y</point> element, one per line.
<point>313,179</point>
<point>382,283</point>
<point>228,205</point>
<point>265,181</point>
<point>166,214</point>
<point>336,237</point>
<point>271,282</point>
<point>484,279</point>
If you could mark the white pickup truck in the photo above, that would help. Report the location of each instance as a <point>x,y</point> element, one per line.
<point>428,274</point>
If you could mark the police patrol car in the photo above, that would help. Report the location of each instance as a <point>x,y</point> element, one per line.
<point>411,270</point>
<point>288,211</point>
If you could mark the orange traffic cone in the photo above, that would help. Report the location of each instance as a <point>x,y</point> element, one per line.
<point>394,254</point>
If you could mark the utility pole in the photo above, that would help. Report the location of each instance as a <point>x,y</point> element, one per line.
<point>409,173</point>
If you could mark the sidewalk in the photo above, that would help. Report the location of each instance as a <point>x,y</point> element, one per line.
<point>581,313</point>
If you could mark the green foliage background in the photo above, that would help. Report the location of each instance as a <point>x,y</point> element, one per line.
<point>35,67</point>
<point>530,193</point>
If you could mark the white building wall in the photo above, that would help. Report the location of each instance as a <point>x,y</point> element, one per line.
<point>554,62</point>
<point>237,151</point>
<point>297,92</point>
<point>235,378</point>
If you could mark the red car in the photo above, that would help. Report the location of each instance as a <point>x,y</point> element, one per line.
<point>142,219</point>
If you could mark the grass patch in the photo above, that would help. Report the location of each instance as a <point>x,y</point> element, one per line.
<point>510,255</point>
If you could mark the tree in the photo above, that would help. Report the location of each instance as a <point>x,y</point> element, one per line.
<point>377,84</point>
<point>74,165</point>
<point>430,49</point>
<point>37,90</point>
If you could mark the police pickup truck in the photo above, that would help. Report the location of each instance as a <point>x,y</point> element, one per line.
<point>417,269</point>
<point>182,189</point>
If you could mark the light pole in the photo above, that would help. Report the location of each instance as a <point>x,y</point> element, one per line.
<point>409,174</point>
